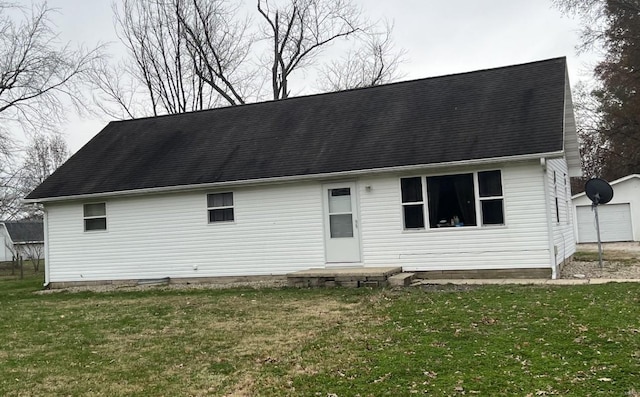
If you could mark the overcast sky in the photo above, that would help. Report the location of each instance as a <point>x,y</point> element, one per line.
<point>440,37</point>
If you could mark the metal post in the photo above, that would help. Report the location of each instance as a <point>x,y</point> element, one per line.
<point>595,209</point>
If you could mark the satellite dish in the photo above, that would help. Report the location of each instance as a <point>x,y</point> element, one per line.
<point>599,191</point>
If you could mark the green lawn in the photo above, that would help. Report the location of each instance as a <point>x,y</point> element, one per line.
<point>444,341</point>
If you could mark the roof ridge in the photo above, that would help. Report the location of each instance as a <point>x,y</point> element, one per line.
<point>339,92</point>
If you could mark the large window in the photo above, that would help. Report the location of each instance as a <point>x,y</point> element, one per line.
<point>453,200</point>
<point>220,207</point>
<point>95,217</point>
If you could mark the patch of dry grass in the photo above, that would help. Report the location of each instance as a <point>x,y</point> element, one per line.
<point>624,256</point>
<point>182,343</point>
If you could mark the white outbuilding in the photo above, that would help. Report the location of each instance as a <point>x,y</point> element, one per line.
<point>619,219</point>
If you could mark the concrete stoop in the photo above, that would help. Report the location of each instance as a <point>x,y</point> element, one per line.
<point>401,279</point>
<point>343,277</point>
<point>394,277</point>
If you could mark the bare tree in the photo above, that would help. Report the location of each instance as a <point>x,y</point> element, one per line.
<point>612,26</point>
<point>10,193</point>
<point>219,45</point>
<point>34,252</point>
<point>152,34</point>
<point>596,17</point>
<point>196,54</point>
<point>374,63</point>
<point>184,56</point>
<point>40,78</point>
<point>38,75</point>
<point>42,157</point>
<point>300,30</point>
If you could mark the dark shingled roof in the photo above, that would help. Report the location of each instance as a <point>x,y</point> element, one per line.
<point>23,232</point>
<point>509,111</point>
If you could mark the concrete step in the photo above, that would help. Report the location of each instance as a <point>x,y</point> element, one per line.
<point>401,279</point>
<point>353,277</point>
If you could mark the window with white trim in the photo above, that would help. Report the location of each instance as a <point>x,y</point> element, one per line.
<point>453,200</point>
<point>220,207</point>
<point>491,198</point>
<point>95,216</point>
<point>567,194</point>
<point>412,203</point>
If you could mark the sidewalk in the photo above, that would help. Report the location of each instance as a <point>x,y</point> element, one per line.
<point>535,281</point>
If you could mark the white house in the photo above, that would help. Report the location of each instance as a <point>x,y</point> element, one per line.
<point>465,172</point>
<point>619,219</point>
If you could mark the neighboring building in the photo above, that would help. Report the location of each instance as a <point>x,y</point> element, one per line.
<point>465,172</point>
<point>24,238</point>
<point>619,219</point>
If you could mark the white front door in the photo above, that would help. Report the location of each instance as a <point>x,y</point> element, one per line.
<point>342,237</point>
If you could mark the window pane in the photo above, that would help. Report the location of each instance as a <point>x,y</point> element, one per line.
<point>220,200</point>
<point>341,226</point>
<point>95,224</point>
<point>492,212</point>
<point>451,200</point>
<point>339,200</point>
<point>344,191</point>
<point>411,189</point>
<point>490,184</point>
<point>222,215</point>
<point>94,209</point>
<point>413,216</point>
<point>227,199</point>
<point>211,200</point>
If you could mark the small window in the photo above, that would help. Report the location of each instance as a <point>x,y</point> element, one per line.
<point>491,199</point>
<point>412,203</point>
<point>567,194</point>
<point>220,207</point>
<point>555,194</point>
<point>95,217</point>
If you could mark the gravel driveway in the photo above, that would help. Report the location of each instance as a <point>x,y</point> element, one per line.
<point>620,260</point>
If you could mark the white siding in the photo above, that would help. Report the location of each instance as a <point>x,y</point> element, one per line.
<point>625,191</point>
<point>614,220</point>
<point>571,149</point>
<point>521,243</point>
<point>563,230</point>
<point>5,245</point>
<point>277,230</point>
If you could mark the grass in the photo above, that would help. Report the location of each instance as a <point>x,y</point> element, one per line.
<point>446,341</point>
<point>623,257</point>
<point>9,272</point>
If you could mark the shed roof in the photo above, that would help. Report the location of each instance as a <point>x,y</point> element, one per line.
<point>25,232</point>
<point>495,113</point>
<point>624,179</point>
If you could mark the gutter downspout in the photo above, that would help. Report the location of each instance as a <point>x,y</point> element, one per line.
<point>45,220</point>
<point>547,207</point>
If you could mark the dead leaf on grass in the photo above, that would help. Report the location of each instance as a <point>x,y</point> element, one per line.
<point>382,378</point>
